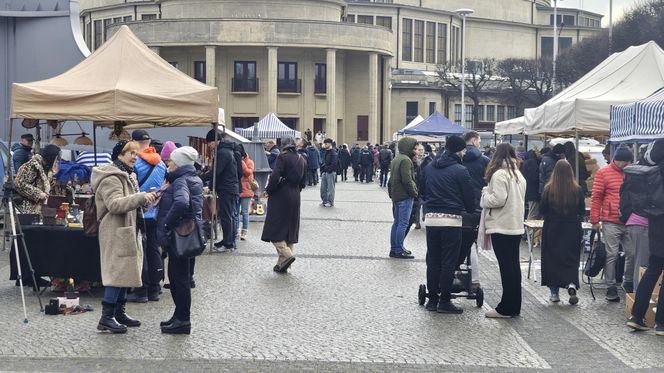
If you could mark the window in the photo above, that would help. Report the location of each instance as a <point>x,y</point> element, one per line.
<point>107,22</point>
<point>431,42</point>
<point>566,20</point>
<point>350,18</point>
<point>320,81</point>
<point>243,122</point>
<point>456,51</point>
<point>501,113</point>
<point>287,78</point>
<point>362,127</point>
<point>147,17</point>
<point>244,78</point>
<point>490,113</point>
<point>318,124</point>
<point>88,35</point>
<point>418,41</point>
<point>127,19</point>
<point>117,19</point>
<point>432,107</point>
<point>480,113</point>
<point>199,71</point>
<point>384,21</point>
<point>407,40</point>
<point>411,111</point>
<point>173,63</point>
<point>457,114</point>
<point>98,34</point>
<point>469,116</point>
<point>442,43</point>
<point>365,19</point>
<point>511,112</point>
<point>547,45</point>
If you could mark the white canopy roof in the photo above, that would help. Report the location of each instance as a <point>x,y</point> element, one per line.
<point>417,120</point>
<point>511,127</point>
<point>270,127</point>
<point>585,105</point>
<point>123,80</point>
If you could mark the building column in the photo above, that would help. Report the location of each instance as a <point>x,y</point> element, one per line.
<point>272,65</point>
<point>373,98</point>
<point>331,94</point>
<point>155,49</point>
<point>211,65</point>
<point>387,99</point>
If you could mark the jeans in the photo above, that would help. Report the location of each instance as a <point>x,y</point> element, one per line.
<point>645,289</point>
<point>506,248</point>
<point>236,219</point>
<point>244,209</point>
<point>226,209</point>
<point>113,295</point>
<point>312,176</point>
<point>153,264</point>
<point>636,248</point>
<point>367,173</point>
<point>443,244</point>
<point>327,187</point>
<point>179,274</point>
<point>614,235</point>
<point>401,212</point>
<point>384,171</point>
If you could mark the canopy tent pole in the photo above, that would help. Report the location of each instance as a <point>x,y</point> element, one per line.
<point>525,141</point>
<point>576,145</point>
<point>214,183</point>
<point>94,141</point>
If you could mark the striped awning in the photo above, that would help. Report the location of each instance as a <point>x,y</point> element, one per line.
<point>642,120</point>
<point>270,127</point>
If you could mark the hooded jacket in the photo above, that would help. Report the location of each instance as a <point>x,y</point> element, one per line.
<point>20,155</point>
<point>546,169</point>
<point>445,183</point>
<point>401,185</point>
<point>476,163</point>
<point>355,157</point>
<point>385,157</point>
<point>530,171</point>
<point>227,170</point>
<point>314,158</point>
<point>344,158</point>
<point>174,205</point>
<point>148,158</point>
<point>366,158</point>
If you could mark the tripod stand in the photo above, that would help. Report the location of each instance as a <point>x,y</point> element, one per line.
<point>16,233</point>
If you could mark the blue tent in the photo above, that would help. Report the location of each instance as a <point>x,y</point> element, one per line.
<point>435,125</point>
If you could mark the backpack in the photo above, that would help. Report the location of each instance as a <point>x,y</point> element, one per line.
<point>90,221</point>
<point>642,191</point>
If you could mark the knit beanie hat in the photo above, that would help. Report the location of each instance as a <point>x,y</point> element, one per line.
<point>166,151</point>
<point>455,144</point>
<point>623,154</point>
<point>212,137</point>
<point>559,149</point>
<point>184,156</point>
<point>117,149</point>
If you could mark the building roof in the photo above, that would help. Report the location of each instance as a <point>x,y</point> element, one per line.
<point>33,8</point>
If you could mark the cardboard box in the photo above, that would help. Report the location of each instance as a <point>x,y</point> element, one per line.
<point>650,313</point>
<point>655,291</point>
<point>69,303</point>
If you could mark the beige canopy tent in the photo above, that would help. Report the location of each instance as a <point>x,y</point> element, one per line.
<point>124,81</point>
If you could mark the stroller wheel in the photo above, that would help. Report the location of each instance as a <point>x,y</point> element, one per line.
<point>479,298</point>
<point>422,294</point>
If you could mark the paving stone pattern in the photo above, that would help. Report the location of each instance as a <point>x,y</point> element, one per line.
<point>345,306</point>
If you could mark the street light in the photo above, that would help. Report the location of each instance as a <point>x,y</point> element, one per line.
<point>463,13</point>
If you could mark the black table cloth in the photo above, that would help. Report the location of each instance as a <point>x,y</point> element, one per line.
<point>58,252</point>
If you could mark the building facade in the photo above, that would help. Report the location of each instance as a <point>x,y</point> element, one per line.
<point>357,70</point>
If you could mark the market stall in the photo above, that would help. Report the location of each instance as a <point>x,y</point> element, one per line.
<point>122,82</point>
<point>270,127</point>
<point>514,126</point>
<point>640,121</point>
<point>433,129</point>
<point>414,122</point>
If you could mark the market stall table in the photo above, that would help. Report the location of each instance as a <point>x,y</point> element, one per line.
<point>58,251</point>
<point>530,226</point>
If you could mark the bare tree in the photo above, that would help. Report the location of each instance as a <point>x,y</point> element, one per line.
<point>519,74</point>
<point>541,77</point>
<point>478,74</point>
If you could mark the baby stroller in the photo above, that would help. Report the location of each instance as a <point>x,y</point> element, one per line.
<point>462,287</point>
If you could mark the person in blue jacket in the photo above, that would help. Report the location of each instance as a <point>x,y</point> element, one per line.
<point>22,151</point>
<point>151,173</point>
<point>312,165</point>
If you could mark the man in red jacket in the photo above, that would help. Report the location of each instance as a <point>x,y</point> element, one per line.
<point>604,209</point>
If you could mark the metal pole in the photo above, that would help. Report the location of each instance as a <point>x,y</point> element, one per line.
<point>576,145</point>
<point>610,26</point>
<point>555,46</point>
<point>94,141</point>
<point>463,70</point>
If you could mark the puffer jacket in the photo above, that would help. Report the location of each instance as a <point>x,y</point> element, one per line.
<point>247,177</point>
<point>355,155</point>
<point>546,169</point>
<point>174,206</point>
<point>476,163</point>
<point>20,155</point>
<point>445,186</point>
<point>313,161</point>
<point>148,158</point>
<point>331,161</point>
<point>401,185</point>
<point>530,171</point>
<point>606,195</point>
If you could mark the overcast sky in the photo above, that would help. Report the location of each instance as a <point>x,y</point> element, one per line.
<point>600,6</point>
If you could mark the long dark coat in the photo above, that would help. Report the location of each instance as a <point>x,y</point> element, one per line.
<point>288,177</point>
<point>561,245</point>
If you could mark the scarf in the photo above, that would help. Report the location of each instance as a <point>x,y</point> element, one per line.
<point>129,170</point>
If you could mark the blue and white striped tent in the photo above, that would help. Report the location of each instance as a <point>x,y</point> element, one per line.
<point>642,120</point>
<point>270,127</point>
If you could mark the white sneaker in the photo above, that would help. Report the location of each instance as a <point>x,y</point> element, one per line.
<point>554,298</point>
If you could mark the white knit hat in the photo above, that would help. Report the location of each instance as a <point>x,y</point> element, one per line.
<point>184,155</point>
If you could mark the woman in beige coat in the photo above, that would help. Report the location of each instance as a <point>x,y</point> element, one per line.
<point>119,210</point>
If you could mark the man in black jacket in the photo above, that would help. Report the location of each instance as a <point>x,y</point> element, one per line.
<point>384,158</point>
<point>355,161</point>
<point>548,163</point>
<point>366,164</point>
<point>328,173</point>
<point>446,196</point>
<point>227,187</point>
<point>530,171</point>
<point>313,163</point>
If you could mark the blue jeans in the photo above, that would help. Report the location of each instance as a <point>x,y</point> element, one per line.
<point>244,210</point>
<point>236,219</point>
<point>401,212</point>
<point>113,295</point>
<point>327,187</point>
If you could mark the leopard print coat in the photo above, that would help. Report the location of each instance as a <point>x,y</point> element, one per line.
<point>30,181</point>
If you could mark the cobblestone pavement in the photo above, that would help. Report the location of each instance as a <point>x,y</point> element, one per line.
<point>344,306</point>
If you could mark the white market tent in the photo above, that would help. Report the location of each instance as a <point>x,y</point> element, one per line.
<point>584,107</point>
<point>414,122</point>
<point>270,127</point>
<point>642,120</point>
<point>514,126</point>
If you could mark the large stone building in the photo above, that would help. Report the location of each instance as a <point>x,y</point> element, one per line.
<point>358,70</point>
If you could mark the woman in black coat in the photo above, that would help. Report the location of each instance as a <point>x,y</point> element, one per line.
<point>282,223</point>
<point>563,207</point>
<point>344,161</point>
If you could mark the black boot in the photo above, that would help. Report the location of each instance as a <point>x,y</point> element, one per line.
<point>108,322</point>
<point>177,327</point>
<point>167,322</point>
<point>122,317</point>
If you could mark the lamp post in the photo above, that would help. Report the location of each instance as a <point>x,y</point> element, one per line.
<point>555,46</point>
<point>463,13</point>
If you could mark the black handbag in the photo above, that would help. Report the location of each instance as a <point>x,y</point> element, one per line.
<point>188,239</point>
<point>597,258</point>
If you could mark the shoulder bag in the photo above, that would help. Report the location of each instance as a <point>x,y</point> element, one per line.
<point>188,238</point>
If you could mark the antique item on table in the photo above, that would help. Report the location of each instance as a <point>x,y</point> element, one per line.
<point>48,216</point>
